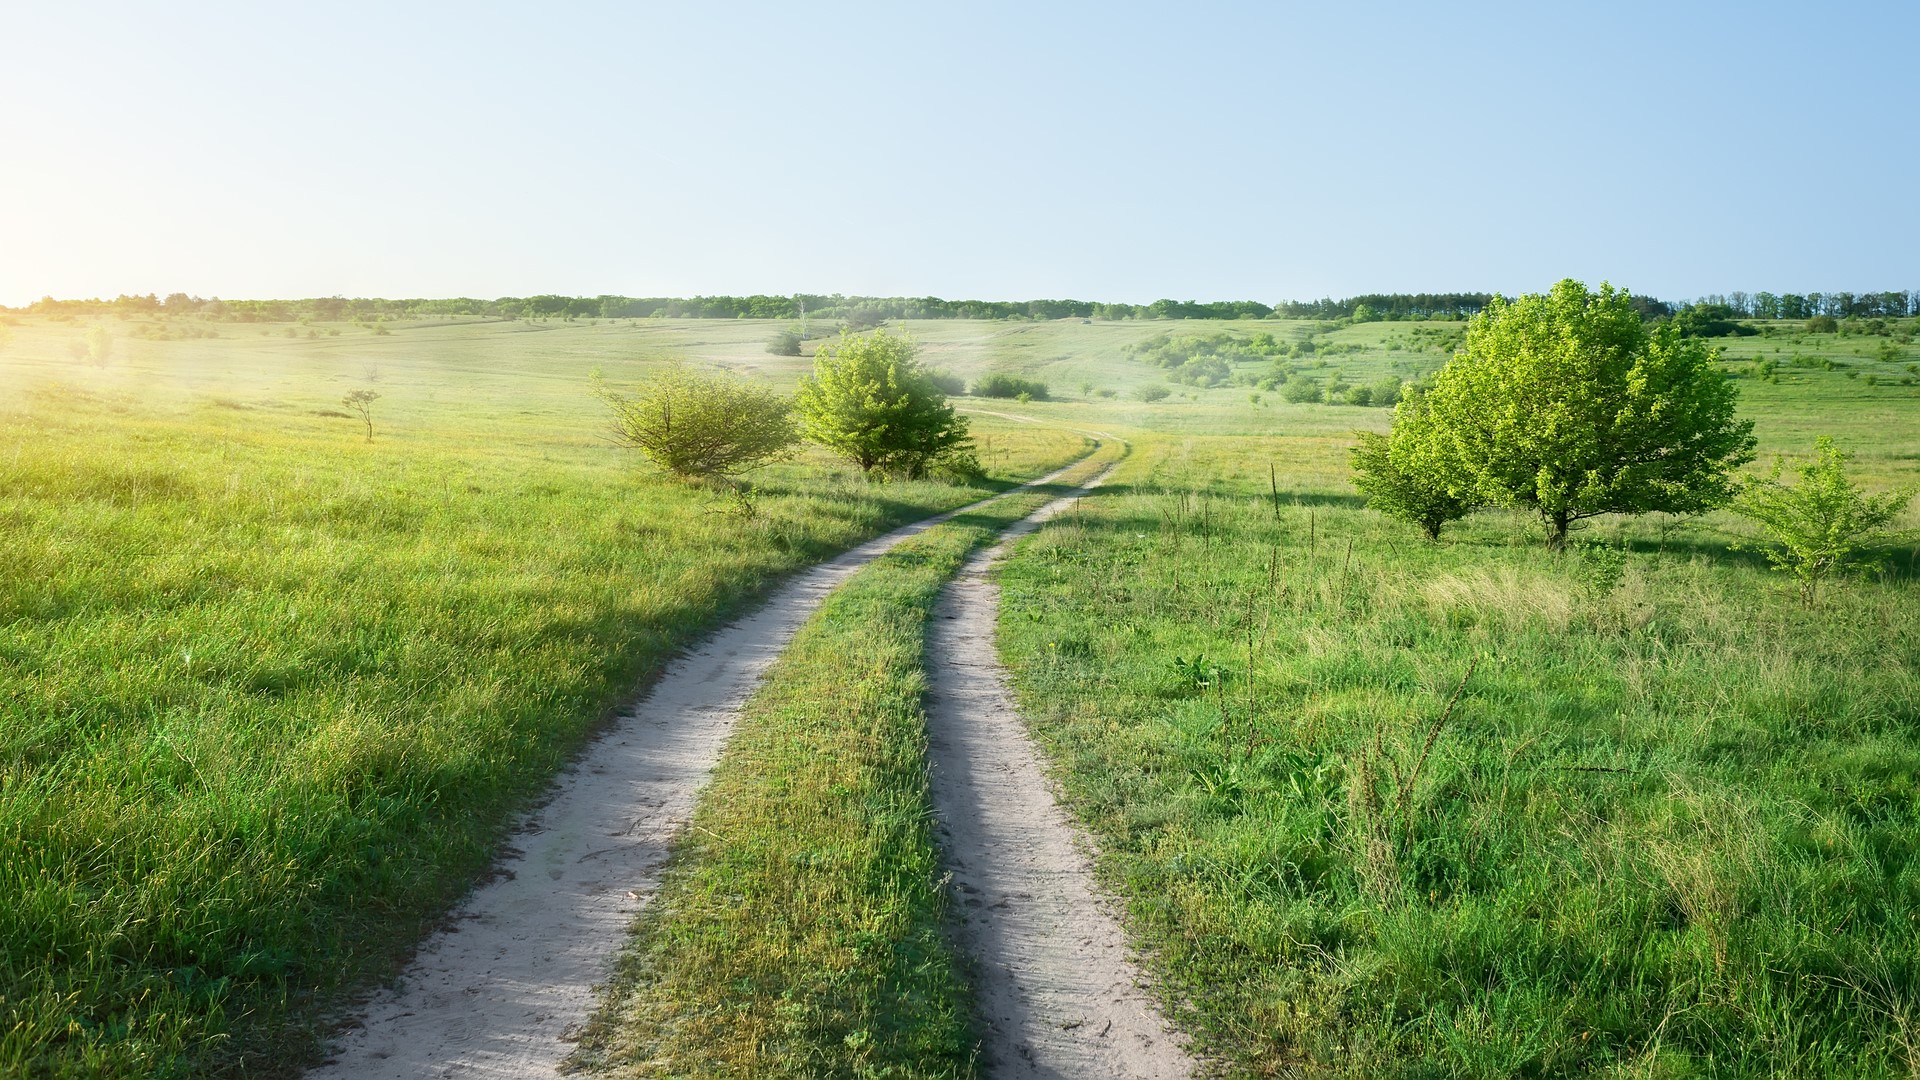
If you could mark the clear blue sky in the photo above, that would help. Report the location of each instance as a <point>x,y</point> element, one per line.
<point>1096,151</point>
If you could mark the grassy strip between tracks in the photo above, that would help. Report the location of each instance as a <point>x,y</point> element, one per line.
<point>800,931</point>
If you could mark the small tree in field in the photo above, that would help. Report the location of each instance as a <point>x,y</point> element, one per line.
<point>870,401</point>
<point>1822,525</point>
<point>1567,405</point>
<point>1406,474</point>
<point>699,424</point>
<point>361,402</point>
<point>99,345</point>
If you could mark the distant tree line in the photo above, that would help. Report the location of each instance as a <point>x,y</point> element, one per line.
<point>858,311</point>
<point>866,311</point>
<point>1379,306</point>
<point>1836,305</point>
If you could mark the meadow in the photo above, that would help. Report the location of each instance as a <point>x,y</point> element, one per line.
<point>271,694</point>
<point>1381,807</point>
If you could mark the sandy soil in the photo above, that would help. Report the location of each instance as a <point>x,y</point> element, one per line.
<point>1056,985</point>
<point>503,992</point>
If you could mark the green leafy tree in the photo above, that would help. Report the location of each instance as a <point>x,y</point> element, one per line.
<point>1567,404</point>
<point>1821,526</point>
<point>870,401</point>
<point>1408,474</point>
<point>702,424</point>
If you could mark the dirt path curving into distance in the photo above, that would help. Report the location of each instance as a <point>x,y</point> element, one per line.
<point>1054,981</point>
<point>502,993</point>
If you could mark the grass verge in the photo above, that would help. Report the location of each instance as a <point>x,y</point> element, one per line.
<point>800,930</point>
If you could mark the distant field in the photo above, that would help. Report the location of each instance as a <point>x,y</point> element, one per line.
<point>269,692</point>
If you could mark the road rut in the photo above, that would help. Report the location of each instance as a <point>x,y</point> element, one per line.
<point>1054,981</point>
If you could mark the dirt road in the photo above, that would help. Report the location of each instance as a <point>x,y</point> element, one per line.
<point>1055,983</point>
<point>500,994</point>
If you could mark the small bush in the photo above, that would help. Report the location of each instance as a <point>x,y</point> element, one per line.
<point>702,424</point>
<point>950,384</point>
<point>1821,526</point>
<point>785,343</point>
<point>1152,392</point>
<point>1301,390</point>
<point>1823,324</point>
<point>1009,386</point>
<point>1386,392</point>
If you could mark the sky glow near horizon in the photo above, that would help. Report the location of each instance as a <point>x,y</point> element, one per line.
<point>1098,152</point>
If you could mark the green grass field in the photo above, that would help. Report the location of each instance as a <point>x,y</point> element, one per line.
<point>1668,829</point>
<point>269,694</point>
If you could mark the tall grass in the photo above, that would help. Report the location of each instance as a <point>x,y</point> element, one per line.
<point>1669,825</point>
<point>269,694</point>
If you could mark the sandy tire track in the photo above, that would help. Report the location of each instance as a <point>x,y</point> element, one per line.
<point>503,992</point>
<point>1054,980</point>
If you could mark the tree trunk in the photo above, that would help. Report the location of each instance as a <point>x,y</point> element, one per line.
<point>1557,522</point>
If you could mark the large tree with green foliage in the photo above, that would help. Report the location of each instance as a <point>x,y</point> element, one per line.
<point>871,402</point>
<point>1408,475</point>
<point>1568,405</point>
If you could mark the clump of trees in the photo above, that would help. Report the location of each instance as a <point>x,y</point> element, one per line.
<point>1010,386</point>
<point>702,424</point>
<point>1569,405</point>
<point>870,401</point>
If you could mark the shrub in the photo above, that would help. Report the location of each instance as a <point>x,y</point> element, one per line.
<point>1823,324</point>
<point>698,424</point>
<point>1009,386</point>
<point>1301,389</point>
<point>1152,392</point>
<point>1359,395</point>
<point>869,401</point>
<point>1822,525</point>
<point>785,343</point>
<point>1386,391</point>
<point>949,384</point>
